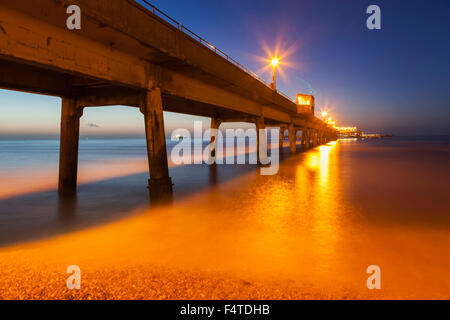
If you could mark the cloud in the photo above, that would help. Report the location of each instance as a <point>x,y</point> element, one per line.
<point>93,125</point>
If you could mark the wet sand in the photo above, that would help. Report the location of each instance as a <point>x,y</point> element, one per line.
<point>309,232</point>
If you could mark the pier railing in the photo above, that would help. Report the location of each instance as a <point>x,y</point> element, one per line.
<point>207,44</point>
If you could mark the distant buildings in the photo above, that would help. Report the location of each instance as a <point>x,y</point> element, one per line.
<point>353,132</point>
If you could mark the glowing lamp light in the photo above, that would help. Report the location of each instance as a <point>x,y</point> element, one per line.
<point>274,62</point>
<point>303,101</point>
<point>324,114</point>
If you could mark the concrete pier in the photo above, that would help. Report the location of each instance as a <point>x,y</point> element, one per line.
<point>68,155</point>
<point>306,139</point>
<point>215,125</point>
<point>160,183</point>
<point>261,144</point>
<point>281,141</point>
<point>150,65</point>
<point>292,138</point>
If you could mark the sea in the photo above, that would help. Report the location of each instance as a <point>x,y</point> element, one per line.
<point>327,215</point>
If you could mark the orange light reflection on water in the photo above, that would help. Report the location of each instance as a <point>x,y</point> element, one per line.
<point>292,235</point>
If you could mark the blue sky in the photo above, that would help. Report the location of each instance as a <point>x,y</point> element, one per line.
<point>394,80</point>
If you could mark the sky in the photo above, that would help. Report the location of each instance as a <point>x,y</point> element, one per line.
<point>394,80</point>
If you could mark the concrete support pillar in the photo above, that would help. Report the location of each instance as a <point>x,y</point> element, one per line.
<point>280,142</point>
<point>315,138</point>
<point>261,146</point>
<point>304,138</point>
<point>303,141</point>
<point>215,124</point>
<point>68,154</point>
<point>160,183</point>
<point>292,138</point>
<point>306,133</point>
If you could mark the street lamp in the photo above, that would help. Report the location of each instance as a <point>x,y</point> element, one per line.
<point>331,122</point>
<point>324,114</point>
<point>274,62</point>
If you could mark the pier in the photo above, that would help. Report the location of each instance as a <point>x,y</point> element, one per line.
<point>134,55</point>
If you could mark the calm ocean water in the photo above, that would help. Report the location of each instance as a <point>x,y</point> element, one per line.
<point>329,213</point>
<point>24,154</point>
<point>410,174</point>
